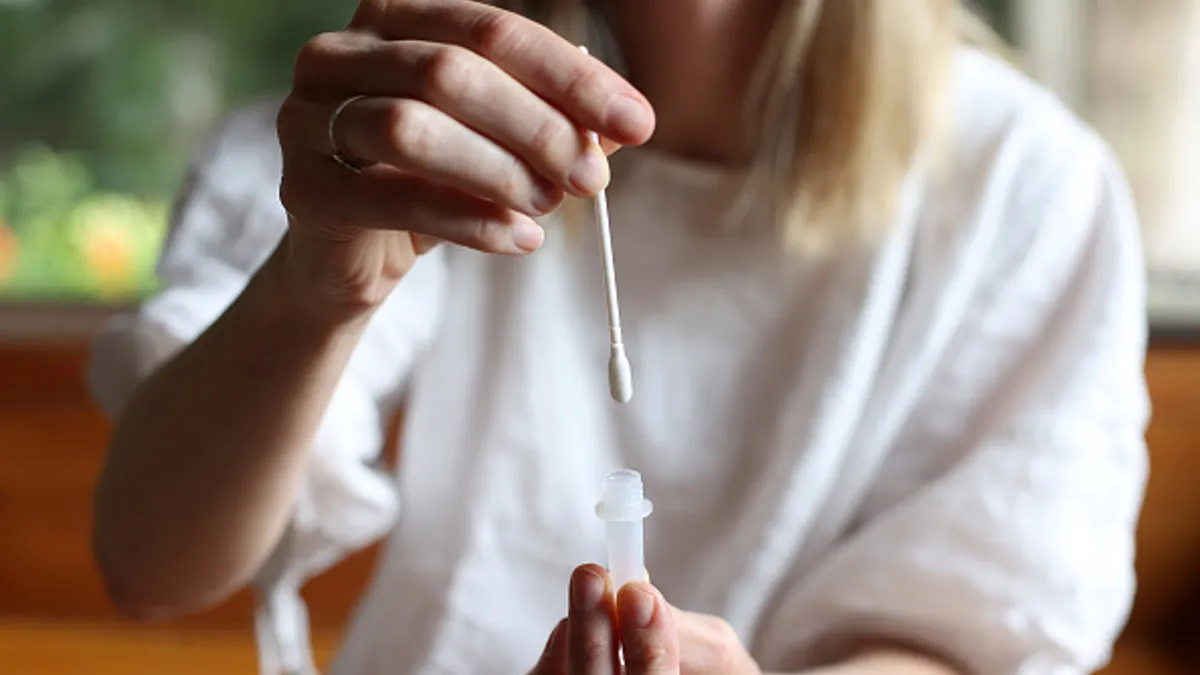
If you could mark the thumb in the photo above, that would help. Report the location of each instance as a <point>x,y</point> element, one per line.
<point>649,637</point>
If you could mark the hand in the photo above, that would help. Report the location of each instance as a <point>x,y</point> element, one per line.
<point>657,638</point>
<point>465,121</point>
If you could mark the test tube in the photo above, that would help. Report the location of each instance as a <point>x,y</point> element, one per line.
<point>623,507</point>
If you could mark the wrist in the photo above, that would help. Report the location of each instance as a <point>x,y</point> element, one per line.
<point>273,327</point>
<point>888,660</point>
<point>290,299</point>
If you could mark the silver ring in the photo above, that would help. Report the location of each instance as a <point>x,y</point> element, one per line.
<point>338,156</point>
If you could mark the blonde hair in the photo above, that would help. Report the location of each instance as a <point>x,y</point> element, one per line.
<point>848,98</point>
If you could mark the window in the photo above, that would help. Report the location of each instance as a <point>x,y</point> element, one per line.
<point>101,104</point>
<point>1132,69</point>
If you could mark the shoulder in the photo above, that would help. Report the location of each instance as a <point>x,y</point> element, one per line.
<point>1021,174</point>
<point>1014,136</point>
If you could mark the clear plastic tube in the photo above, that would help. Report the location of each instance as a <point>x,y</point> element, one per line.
<point>623,507</point>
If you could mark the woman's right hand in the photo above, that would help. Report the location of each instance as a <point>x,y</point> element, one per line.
<point>465,120</point>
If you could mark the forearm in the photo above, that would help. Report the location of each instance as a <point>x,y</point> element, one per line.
<point>207,456</point>
<point>885,660</point>
<point>892,661</point>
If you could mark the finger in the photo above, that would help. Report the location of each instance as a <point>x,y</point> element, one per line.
<point>609,146</point>
<point>321,194</point>
<point>421,139</point>
<point>713,645</point>
<point>466,87</point>
<point>591,621</point>
<point>589,92</point>
<point>648,633</point>
<point>553,660</point>
<point>423,243</point>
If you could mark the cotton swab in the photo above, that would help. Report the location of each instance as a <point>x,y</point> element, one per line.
<point>620,376</point>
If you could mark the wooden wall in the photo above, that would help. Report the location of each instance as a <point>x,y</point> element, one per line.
<point>1169,535</point>
<point>52,440</point>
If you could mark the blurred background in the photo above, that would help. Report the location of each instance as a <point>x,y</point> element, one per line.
<point>100,105</point>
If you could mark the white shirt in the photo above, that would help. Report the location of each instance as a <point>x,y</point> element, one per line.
<point>937,438</point>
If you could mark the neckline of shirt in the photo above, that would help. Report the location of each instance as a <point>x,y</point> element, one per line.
<point>667,171</point>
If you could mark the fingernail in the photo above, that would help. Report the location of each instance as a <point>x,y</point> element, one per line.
<point>587,590</point>
<point>637,607</point>
<point>527,235</point>
<point>590,174</point>
<point>629,116</point>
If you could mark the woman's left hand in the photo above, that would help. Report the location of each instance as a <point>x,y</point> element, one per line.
<point>657,638</point>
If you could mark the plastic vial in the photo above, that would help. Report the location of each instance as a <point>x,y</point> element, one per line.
<point>623,507</point>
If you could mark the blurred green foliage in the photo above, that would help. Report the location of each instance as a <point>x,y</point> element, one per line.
<point>100,104</point>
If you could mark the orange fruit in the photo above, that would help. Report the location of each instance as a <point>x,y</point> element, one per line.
<point>9,250</point>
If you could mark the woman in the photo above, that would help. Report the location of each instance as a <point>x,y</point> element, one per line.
<point>887,331</point>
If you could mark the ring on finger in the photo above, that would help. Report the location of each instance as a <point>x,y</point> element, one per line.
<point>338,156</point>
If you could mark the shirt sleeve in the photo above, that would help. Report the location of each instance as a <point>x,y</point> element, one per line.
<point>226,222</point>
<point>1001,534</point>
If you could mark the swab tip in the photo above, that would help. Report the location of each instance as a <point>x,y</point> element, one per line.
<point>620,375</point>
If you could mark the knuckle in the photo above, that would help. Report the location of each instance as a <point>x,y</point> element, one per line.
<point>656,656</point>
<point>513,185</point>
<point>551,137</point>
<point>723,656</point>
<point>582,84</point>
<point>488,235</point>
<point>447,71</point>
<point>595,648</point>
<point>721,631</point>
<point>408,130</point>
<point>372,14</point>
<point>315,52</point>
<point>291,194</point>
<point>498,34</point>
<point>723,641</point>
<point>287,121</point>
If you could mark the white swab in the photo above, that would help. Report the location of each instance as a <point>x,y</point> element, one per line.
<point>620,377</point>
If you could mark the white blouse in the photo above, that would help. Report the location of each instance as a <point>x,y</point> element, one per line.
<point>938,438</point>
